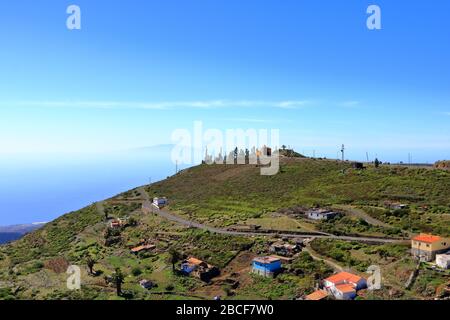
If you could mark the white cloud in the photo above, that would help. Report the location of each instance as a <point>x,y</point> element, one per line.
<point>256,120</point>
<point>162,105</point>
<point>349,104</point>
<point>292,104</point>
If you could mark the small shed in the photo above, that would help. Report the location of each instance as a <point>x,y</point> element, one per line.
<point>266,266</point>
<point>317,295</point>
<point>145,247</point>
<point>443,260</point>
<point>358,165</point>
<point>160,202</point>
<point>199,269</point>
<point>321,214</point>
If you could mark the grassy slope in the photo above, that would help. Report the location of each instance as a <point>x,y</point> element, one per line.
<point>224,195</point>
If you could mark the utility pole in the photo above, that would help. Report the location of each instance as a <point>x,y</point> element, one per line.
<point>343,152</point>
<point>176,166</point>
<point>367,156</point>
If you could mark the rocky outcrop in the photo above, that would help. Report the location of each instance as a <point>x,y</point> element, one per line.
<point>442,164</point>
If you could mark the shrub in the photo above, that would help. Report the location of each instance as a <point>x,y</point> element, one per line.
<point>136,272</point>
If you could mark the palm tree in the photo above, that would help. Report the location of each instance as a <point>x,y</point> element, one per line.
<point>117,279</point>
<point>174,257</point>
<point>90,264</point>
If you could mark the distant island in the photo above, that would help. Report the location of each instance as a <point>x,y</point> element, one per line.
<point>15,232</point>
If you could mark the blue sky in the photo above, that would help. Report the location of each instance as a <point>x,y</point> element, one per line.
<point>140,69</point>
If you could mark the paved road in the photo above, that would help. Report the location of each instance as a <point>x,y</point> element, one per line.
<point>147,205</point>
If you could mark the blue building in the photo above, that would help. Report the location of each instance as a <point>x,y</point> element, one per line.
<point>266,266</point>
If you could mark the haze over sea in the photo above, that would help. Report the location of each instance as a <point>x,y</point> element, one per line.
<point>43,187</point>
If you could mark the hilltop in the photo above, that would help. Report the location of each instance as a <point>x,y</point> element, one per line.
<point>229,197</point>
<point>225,194</point>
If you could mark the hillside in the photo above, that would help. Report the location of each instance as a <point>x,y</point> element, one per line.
<point>225,196</point>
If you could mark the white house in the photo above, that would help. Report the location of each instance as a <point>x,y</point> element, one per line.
<point>344,285</point>
<point>320,214</point>
<point>344,292</point>
<point>160,202</point>
<point>443,260</point>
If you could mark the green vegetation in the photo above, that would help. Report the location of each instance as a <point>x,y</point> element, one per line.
<point>305,265</point>
<point>415,220</point>
<point>358,255</point>
<point>215,249</point>
<point>340,251</point>
<point>222,195</point>
<point>346,225</point>
<point>6,294</point>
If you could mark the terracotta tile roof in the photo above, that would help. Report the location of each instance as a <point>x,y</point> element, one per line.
<point>428,238</point>
<point>265,260</point>
<point>317,295</point>
<point>343,277</point>
<point>194,261</point>
<point>144,247</point>
<point>345,288</point>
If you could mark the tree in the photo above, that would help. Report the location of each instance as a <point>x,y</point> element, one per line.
<point>247,156</point>
<point>132,222</point>
<point>174,257</point>
<point>90,262</point>
<point>377,163</point>
<point>117,279</point>
<point>283,147</point>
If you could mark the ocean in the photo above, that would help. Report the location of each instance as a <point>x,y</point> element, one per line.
<point>42,188</point>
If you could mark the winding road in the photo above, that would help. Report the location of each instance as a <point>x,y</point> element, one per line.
<point>149,207</point>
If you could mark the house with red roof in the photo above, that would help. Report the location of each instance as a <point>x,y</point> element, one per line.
<point>199,269</point>
<point>425,247</point>
<point>344,285</point>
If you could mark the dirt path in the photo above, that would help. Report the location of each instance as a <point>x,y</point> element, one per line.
<point>318,257</point>
<point>355,212</point>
